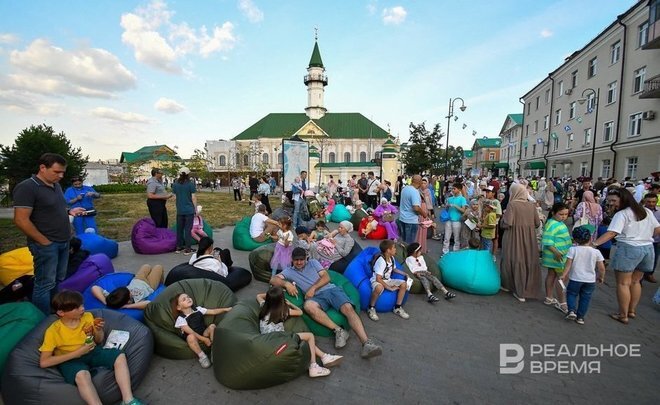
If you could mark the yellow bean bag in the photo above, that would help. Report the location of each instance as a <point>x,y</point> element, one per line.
<point>15,263</point>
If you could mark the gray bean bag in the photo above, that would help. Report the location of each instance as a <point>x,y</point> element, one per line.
<point>260,262</point>
<point>24,382</point>
<point>340,265</point>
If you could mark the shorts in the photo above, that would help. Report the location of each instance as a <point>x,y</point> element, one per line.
<point>99,357</point>
<point>559,270</point>
<point>391,282</point>
<point>333,297</point>
<point>628,258</point>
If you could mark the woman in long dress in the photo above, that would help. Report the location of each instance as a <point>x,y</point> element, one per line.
<point>591,210</point>
<point>520,265</point>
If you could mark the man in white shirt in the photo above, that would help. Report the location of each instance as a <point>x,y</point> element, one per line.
<point>262,227</point>
<point>373,186</point>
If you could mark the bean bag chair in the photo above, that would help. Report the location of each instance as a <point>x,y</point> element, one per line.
<point>95,244</point>
<point>357,216</point>
<point>244,359</point>
<point>24,382</point>
<point>340,213</point>
<point>241,236</point>
<point>379,234</point>
<point>17,290</point>
<point>149,240</point>
<point>336,316</point>
<point>16,320</point>
<point>471,271</point>
<point>260,262</point>
<point>340,265</point>
<point>110,282</point>
<point>90,270</point>
<point>359,273</point>
<point>15,263</point>
<point>237,278</point>
<point>207,230</point>
<point>431,264</point>
<point>160,319</point>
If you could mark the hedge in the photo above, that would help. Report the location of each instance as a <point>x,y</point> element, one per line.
<point>120,188</point>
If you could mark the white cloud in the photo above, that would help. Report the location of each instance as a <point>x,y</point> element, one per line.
<point>123,117</point>
<point>546,33</point>
<point>160,43</point>
<point>394,16</point>
<point>168,106</point>
<point>371,7</point>
<point>47,69</point>
<point>250,10</point>
<point>6,38</point>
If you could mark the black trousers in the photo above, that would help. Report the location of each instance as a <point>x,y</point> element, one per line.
<point>266,202</point>
<point>158,211</point>
<point>237,194</point>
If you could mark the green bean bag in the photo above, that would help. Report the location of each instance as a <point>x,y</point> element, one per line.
<point>340,213</point>
<point>260,262</point>
<point>244,359</point>
<point>431,264</point>
<point>357,217</point>
<point>241,236</point>
<point>160,319</point>
<point>16,320</point>
<point>336,316</point>
<point>208,230</point>
<point>471,271</point>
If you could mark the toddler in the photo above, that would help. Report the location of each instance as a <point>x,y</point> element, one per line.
<point>135,294</point>
<point>197,231</point>
<point>303,238</point>
<point>283,247</point>
<point>417,266</point>
<point>191,325</point>
<point>383,267</point>
<point>320,232</point>
<point>556,242</point>
<point>368,224</point>
<point>256,200</point>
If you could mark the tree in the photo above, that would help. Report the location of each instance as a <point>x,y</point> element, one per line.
<point>455,159</point>
<point>21,159</point>
<point>425,152</point>
<point>199,164</point>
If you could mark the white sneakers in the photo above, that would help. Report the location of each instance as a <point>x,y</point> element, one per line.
<point>401,312</point>
<point>371,313</point>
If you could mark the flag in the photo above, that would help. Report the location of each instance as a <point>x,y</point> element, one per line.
<point>464,126</point>
<point>474,133</point>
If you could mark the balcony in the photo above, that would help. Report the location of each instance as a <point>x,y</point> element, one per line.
<point>651,88</point>
<point>316,78</point>
<point>653,41</point>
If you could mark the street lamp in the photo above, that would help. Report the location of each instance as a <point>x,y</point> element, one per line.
<point>449,115</point>
<point>582,100</point>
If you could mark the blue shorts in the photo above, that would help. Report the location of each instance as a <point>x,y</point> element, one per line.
<point>98,357</point>
<point>333,297</point>
<point>628,258</point>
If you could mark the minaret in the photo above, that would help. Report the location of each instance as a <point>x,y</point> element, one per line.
<point>315,80</point>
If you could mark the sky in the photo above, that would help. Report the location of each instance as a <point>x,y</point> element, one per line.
<point>118,75</point>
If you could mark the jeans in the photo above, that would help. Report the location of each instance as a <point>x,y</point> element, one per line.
<point>50,263</point>
<point>584,290</point>
<point>656,250</point>
<point>183,227</point>
<point>486,244</point>
<point>408,232</point>
<point>454,228</point>
<point>296,212</point>
<point>237,194</point>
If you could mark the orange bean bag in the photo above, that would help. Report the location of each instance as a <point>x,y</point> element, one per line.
<point>14,264</point>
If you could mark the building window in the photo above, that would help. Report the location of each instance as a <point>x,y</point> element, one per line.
<point>237,159</point>
<point>555,144</point>
<point>222,160</point>
<point>631,167</point>
<point>587,136</point>
<point>635,125</point>
<point>608,131</point>
<point>529,107</point>
<point>331,157</point>
<point>574,79</point>
<point>553,171</point>
<point>534,150</point>
<point>525,152</point>
<point>560,86</point>
<point>583,168</point>
<point>246,160</point>
<point>538,99</point>
<point>605,168</point>
<point>491,155</point>
<point>280,158</point>
<point>264,158</point>
<point>558,117</point>
<point>593,67</point>
<point>546,122</point>
<point>363,156</point>
<point>569,141</point>
<point>615,52</point>
<point>591,103</point>
<point>547,96</point>
<point>638,79</point>
<point>527,130</point>
<point>347,157</point>
<point>643,34</point>
<point>571,111</point>
<point>536,126</point>
<point>611,93</point>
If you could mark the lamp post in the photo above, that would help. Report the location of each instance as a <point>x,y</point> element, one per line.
<point>449,116</point>
<point>582,100</point>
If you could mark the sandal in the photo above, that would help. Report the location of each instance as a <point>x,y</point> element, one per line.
<point>619,318</point>
<point>449,295</point>
<point>632,315</point>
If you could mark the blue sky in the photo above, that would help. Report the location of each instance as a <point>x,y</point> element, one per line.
<point>118,75</point>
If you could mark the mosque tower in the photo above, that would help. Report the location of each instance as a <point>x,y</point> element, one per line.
<point>315,80</point>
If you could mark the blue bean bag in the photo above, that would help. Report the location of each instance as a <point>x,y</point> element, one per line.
<point>359,273</point>
<point>111,281</point>
<point>471,271</point>
<point>95,243</point>
<point>241,238</point>
<point>340,213</point>
<point>90,270</point>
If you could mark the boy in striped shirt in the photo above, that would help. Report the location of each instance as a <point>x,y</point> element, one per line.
<point>556,241</point>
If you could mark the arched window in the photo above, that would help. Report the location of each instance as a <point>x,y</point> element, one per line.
<point>222,160</point>
<point>246,160</point>
<point>280,158</point>
<point>347,157</point>
<point>331,157</point>
<point>363,156</point>
<point>237,159</point>
<point>264,158</point>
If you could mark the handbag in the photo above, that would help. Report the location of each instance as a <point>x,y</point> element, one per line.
<point>583,219</point>
<point>389,217</point>
<point>444,215</point>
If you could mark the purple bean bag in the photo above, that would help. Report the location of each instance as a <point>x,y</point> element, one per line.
<point>96,243</point>
<point>149,240</point>
<point>111,281</point>
<point>90,270</point>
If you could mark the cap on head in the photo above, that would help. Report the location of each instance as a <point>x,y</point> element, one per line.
<point>184,170</point>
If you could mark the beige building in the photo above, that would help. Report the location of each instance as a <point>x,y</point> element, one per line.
<point>509,144</point>
<point>597,114</point>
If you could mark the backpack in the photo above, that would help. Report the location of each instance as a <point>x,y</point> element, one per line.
<point>375,259</point>
<point>304,211</point>
<point>314,207</point>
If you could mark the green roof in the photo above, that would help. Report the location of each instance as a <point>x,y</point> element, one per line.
<point>146,153</point>
<point>316,61</point>
<point>347,164</point>
<point>389,142</point>
<point>487,143</point>
<point>517,118</point>
<point>336,125</point>
<point>468,153</point>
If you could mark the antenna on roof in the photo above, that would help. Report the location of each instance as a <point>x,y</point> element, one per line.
<point>316,33</point>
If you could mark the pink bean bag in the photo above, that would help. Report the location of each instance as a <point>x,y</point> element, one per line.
<point>149,240</point>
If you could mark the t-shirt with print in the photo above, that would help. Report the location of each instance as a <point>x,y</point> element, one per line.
<point>283,236</point>
<point>266,326</point>
<point>139,290</point>
<point>382,268</point>
<point>459,201</point>
<point>555,234</point>
<point>60,339</point>
<point>373,187</point>
<point>631,231</point>
<point>416,264</point>
<point>306,277</point>
<point>583,268</point>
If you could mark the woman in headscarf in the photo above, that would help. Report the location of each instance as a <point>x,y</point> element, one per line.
<point>520,265</point>
<point>339,245</point>
<point>384,214</point>
<point>589,209</point>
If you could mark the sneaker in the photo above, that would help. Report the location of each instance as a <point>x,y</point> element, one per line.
<point>449,295</point>
<point>370,349</point>
<point>521,299</point>
<point>562,307</point>
<point>579,321</point>
<point>205,362</point>
<point>571,316</point>
<point>550,301</point>
<point>187,252</point>
<point>133,401</point>
<point>401,312</point>
<point>330,360</point>
<point>317,371</point>
<point>371,312</point>
<point>432,298</point>
<point>341,336</point>
<point>178,250</point>
<point>436,237</point>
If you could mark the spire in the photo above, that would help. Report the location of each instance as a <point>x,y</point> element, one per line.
<point>316,61</point>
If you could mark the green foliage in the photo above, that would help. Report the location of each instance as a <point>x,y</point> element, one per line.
<point>199,165</point>
<point>425,153</point>
<point>455,159</point>
<point>21,159</point>
<point>120,188</point>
